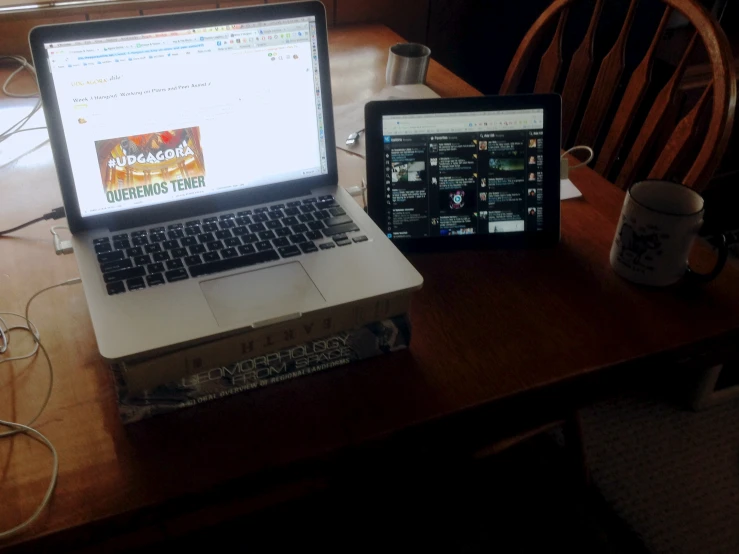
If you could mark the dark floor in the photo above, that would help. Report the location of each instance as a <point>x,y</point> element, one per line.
<point>524,500</point>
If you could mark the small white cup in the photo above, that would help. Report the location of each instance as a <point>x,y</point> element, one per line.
<point>659,223</point>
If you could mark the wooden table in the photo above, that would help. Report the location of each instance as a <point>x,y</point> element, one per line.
<point>502,340</point>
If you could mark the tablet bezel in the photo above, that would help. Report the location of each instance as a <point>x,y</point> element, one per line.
<point>377,208</point>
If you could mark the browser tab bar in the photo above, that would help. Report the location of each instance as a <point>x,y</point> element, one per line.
<point>460,123</point>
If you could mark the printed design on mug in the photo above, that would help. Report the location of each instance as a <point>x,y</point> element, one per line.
<point>639,247</point>
<point>151,164</point>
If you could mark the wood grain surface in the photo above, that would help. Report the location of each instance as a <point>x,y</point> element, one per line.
<point>176,9</point>
<point>491,328</point>
<point>408,17</point>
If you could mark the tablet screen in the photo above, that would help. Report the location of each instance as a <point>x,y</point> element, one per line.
<point>467,173</point>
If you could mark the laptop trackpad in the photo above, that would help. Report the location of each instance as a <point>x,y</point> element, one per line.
<point>282,291</point>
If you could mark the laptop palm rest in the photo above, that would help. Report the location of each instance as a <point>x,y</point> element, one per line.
<point>262,296</point>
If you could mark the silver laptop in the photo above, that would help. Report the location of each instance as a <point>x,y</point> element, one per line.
<point>196,158</point>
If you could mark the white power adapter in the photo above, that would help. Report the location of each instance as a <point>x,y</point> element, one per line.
<point>61,247</point>
<point>564,162</point>
<point>564,169</point>
<point>355,190</point>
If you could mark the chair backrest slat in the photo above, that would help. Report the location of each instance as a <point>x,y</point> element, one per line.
<point>661,135</point>
<point>645,139</point>
<point>578,73</point>
<point>551,60</point>
<point>673,151</point>
<point>522,56</point>
<point>606,83</point>
<point>632,98</point>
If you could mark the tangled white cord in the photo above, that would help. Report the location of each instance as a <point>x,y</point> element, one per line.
<point>24,65</point>
<point>17,127</point>
<point>16,428</point>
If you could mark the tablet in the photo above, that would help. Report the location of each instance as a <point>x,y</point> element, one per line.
<point>465,172</point>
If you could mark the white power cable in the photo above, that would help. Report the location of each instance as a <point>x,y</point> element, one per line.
<point>28,129</point>
<point>16,428</point>
<point>30,328</point>
<point>20,428</point>
<point>24,65</point>
<point>580,147</point>
<point>16,127</point>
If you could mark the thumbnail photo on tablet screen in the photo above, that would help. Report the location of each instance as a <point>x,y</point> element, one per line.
<point>463,173</point>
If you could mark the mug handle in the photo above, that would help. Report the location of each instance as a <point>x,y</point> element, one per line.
<point>719,241</point>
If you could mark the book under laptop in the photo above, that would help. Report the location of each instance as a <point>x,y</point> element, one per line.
<point>196,158</point>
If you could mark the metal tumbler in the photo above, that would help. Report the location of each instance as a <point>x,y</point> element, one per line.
<point>407,64</point>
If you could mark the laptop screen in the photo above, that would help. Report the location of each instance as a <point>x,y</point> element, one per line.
<point>464,173</point>
<point>162,117</point>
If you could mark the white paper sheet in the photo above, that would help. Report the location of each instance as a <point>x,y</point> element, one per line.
<point>349,118</point>
<point>568,190</point>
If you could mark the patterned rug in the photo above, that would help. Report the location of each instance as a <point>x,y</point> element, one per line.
<point>671,475</point>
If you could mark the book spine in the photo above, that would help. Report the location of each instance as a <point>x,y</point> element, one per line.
<point>145,374</point>
<point>220,382</point>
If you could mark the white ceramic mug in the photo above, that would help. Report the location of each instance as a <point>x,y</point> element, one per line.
<point>658,224</point>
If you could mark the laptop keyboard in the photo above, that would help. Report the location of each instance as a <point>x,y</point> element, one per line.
<point>142,258</point>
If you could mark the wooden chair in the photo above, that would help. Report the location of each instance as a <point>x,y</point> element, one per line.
<point>679,139</point>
